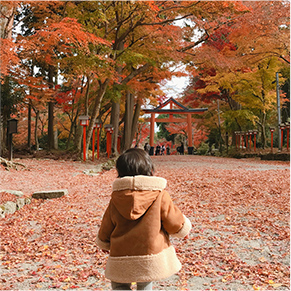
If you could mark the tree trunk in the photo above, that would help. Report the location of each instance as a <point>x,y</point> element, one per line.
<point>263,132</point>
<point>6,26</point>
<point>95,111</point>
<point>51,142</point>
<point>128,121</point>
<point>138,135</point>
<point>6,22</point>
<point>29,128</point>
<point>115,112</point>
<point>135,119</point>
<point>233,105</point>
<point>87,97</point>
<point>56,139</point>
<point>78,137</point>
<point>114,120</point>
<point>35,130</point>
<point>72,128</point>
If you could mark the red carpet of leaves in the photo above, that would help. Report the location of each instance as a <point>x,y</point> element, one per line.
<point>239,210</point>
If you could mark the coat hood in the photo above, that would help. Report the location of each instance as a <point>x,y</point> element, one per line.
<point>132,196</point>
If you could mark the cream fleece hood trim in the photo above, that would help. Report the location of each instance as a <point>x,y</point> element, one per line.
<point>145,183</point>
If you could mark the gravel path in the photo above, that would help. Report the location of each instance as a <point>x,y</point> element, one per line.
<point>239,210</point>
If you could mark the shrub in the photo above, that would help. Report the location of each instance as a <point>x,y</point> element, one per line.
<point>203,149</point>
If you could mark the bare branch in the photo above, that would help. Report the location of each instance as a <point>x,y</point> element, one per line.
<point>203,39</point>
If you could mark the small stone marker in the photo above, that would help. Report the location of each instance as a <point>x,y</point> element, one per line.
<point>50,194</point>
<point>20,203</point>
<point>10,207</point>
<point>2,211</point>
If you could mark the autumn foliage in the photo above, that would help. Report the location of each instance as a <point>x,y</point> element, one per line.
<point>108,59</point>
<point>237,65</point>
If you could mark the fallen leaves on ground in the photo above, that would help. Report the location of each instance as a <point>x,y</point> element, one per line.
<point>239,211</point>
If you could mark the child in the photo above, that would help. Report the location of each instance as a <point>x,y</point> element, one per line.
<point>137,223</point>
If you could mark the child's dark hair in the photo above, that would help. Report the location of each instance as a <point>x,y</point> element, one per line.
<point>134,162</point>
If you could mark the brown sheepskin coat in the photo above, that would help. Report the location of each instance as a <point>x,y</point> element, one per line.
<point>135,229</point>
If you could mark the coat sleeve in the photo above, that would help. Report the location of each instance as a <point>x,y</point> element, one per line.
<point>104,233</point>
<point>174,222</point>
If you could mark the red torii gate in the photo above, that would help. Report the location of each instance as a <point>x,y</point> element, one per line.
<point>180,110</point>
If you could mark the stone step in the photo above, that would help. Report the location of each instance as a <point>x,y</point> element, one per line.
<point>50,194</point>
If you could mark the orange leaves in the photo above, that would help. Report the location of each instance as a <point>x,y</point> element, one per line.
<point>175,128</point>
<point>227,278</point>
<point>238,209</point>
<point>9,57</point>
<point>152,5</point>
<point>225,236</point>
<point>273,284</point>
<point>64,35</point>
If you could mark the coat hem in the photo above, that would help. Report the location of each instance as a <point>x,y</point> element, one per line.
<point>144,268</point>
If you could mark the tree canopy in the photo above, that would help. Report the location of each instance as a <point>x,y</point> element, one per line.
<point>107,59</point>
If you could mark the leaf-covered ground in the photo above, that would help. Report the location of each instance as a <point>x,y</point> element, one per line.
<point>239,210</point>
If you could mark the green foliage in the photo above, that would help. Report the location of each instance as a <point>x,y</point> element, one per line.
<point>243,117</point>
<point>115,92</point>
<point>163,132</point>
<point>256,89</point>
<point>203,149</point>
<point>134,59</point>
<point>10,97</point>
<point>213,138</point>
<point>285,87</point>
<point>43,142</point>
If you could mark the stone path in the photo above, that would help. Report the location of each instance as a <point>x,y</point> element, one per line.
<point>237,242</point>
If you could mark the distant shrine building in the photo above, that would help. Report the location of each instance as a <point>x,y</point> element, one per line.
<point>175,108</point>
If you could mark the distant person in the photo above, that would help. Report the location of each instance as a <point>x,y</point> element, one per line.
<point>137,225</point>
<point>163,149</point>
<point>147,147</point>
<point>158,150</point>
<point>180,149</point>
<point>168,149</point>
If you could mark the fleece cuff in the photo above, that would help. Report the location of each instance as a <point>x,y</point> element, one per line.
<point>184,230</point>
<point>102,244</point>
